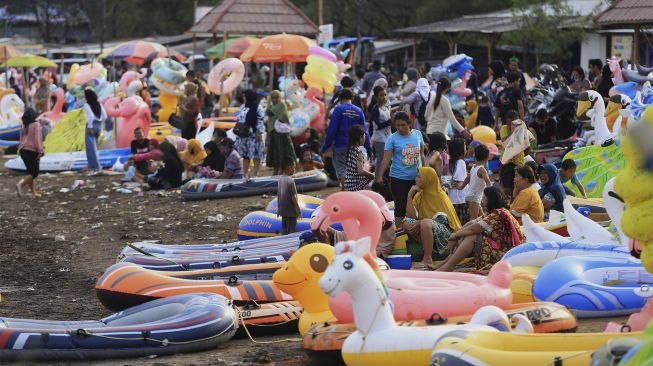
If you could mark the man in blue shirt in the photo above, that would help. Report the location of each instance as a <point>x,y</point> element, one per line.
<point>344,116</point>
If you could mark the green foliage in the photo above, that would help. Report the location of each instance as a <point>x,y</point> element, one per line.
<point>547,28</point>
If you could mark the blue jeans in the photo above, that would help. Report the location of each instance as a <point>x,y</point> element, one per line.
<point>92,156</point>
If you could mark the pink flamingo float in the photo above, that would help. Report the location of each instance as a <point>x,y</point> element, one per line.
<point>615,68</point>
<point>415,294</point>
<point>133,113</point>
<point>56,114</point>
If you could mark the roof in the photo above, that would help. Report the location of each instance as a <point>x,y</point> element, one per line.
<point>627,12</point>
<point>254,17</point>
<point>496,22</point>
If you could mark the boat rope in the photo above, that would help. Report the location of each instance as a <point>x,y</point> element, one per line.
<point>183,266</point>
<point>242,322</point>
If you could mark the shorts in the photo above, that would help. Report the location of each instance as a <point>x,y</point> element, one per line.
<point>507,175</point>
<point>340,162</point>
<point>31,160</point>
<point>400,189</point>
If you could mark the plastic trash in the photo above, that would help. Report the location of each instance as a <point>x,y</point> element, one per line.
<point>123,190</point>
<point>59,238</point>
<point>130,173</point>
<point>216,218</point>
<point>78,183</point>
<point>118,166</point>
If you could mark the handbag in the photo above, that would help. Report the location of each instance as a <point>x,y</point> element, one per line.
<point>281,128</point>
<point>241,129</point>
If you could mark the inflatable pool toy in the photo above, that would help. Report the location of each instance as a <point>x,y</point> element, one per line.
<point>125,284</point>
<point>69,134</point>
<point>8,143</point>
<point>246,246</point>
<point>321,69</point>
<point>522,283</point>
<point>307,204</point>
<point>595,286</point>
<point>226,76</point>
<point>634,186</point>
<point>299,277</point>
<point>56,114</point>
<point>595,165</point>
<point>636,321</point>
<point>186,323</point>
<point>500,348</point>
<point>130,113</point>
<point>225,123</point>
<point>615,67</point>
<point>223,188</point>
<point>10,134</point>
<point>193,262</point>
<point>616,104</point>
<point>160,130</point>
<point>86,73</point>
<point>411,291</point>
<point>168,106</point>
<point>546,317</point>
<point>76,161</point>
<point>128,78</point>
<point>259,224</point>
<point>541,253</point>
<point>484,134</point>
<point>642,353</point>
<point>377,339</point>
<point>168,76</point>
<point>11,109</point>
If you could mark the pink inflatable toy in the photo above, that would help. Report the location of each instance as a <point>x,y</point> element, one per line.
<point>636,322</point>
<point>88,72</point>
<point>56,114</point>
<point>617,77</point>
<point>132,112</point>
<point>318,122</point>
<point>461,89</point>
<point>130,76</point>
<point>414,294</point>
<point>226,76</point>
<point>180,143</point>
<point>322,52</point>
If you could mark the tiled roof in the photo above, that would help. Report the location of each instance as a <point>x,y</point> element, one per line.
<point>255,17</point>
<point>627,12</point>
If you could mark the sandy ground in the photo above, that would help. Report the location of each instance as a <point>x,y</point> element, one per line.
<point>44,278</point>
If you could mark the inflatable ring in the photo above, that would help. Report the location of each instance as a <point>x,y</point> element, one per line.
<point>88,72</point>
<point>325,65</point>
<point>168,75</point>
<point>232,67</point>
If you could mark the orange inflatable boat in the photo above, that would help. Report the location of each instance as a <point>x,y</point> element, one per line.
<point>124,285</point>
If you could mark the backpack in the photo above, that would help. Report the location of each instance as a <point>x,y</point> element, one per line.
<point>421,115</point>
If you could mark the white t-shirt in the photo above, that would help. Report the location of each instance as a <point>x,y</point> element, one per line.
<point>457,196</point>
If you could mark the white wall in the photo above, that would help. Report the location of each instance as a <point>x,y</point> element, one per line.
<point>594,46</point>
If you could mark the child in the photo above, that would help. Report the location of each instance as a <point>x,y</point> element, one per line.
<point>485,117</point>
<point>356,176</point>
<point>457,175</point>
<point>512,130</point>
<point>536,171</point>
<point>307,163</point>
<point>478,180</point>
<point>288,207</point>
<point>567,173</point>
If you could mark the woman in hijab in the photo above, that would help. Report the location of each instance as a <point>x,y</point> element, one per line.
<point>279,145</point>
<point>190,109</point>
<point>251,147</point>
<point>169,172</point>
<point>42,97</point>
<point>487,238</point>
<point>383,83</point>
<point>193,157</point>
<point>214,158</point>
<point>95,116</point>
<point>30,149</point>
<point>552,192</point>
<point>417,102</point>
<point>430,216</point>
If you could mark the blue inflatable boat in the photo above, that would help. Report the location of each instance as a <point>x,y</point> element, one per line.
<point>10,133</point>
<point>185,323</point>
<point>58,162</point>
<point>540,253</point>
<point>198,189</point>
<point>261,224</point>
<point>595,286</point>
<point>180,262</point>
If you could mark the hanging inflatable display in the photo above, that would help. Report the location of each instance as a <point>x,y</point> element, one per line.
<point>226,76</point>
<point>321,69</point>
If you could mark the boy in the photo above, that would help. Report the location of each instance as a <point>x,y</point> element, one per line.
<point>478,179</point>
<point>288,207</point>
<point>485,117</point>
<point>567,173</point>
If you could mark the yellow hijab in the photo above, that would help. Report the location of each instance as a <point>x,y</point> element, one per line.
<point>198,155</point>
<point>432,199</point>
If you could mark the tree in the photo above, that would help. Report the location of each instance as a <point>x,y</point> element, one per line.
<point>546,27</point>
<point>49,13</point>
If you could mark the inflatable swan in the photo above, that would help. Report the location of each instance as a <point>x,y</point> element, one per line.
<point>11,109</point>
<point>591,103</point>
<point>377,339</point>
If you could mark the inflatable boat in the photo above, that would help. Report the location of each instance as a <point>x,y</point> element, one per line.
<point>307,204</point>
<point>257,271</point>
<point>124,285</point>
<point>546,317</point>
<point>595,286</point>
<point>58,162</point>
<point>186,323</point>
<point>185,262</point>
<point>262,224</point>
<point>198,189</point>
<point>294,239</point>
<point>540,253</point>
<point>500,348</point>
<point>10,133</point>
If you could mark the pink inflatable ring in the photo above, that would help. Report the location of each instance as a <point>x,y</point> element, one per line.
<point>232,69</point>
<point>88,72</point>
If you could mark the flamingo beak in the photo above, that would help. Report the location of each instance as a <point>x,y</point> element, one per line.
<point>320,224</point>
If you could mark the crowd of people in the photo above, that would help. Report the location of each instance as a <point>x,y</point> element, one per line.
<point>444,194</point>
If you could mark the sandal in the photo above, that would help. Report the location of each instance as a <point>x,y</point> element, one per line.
<point>420,266</point>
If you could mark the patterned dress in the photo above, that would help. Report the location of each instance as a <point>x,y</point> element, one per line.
<point>441,231</point>
<point>354,181</point>
<point>248,147</point>
<point>501,232</point>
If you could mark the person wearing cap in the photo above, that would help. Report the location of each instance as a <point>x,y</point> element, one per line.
<point>345,115</point>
